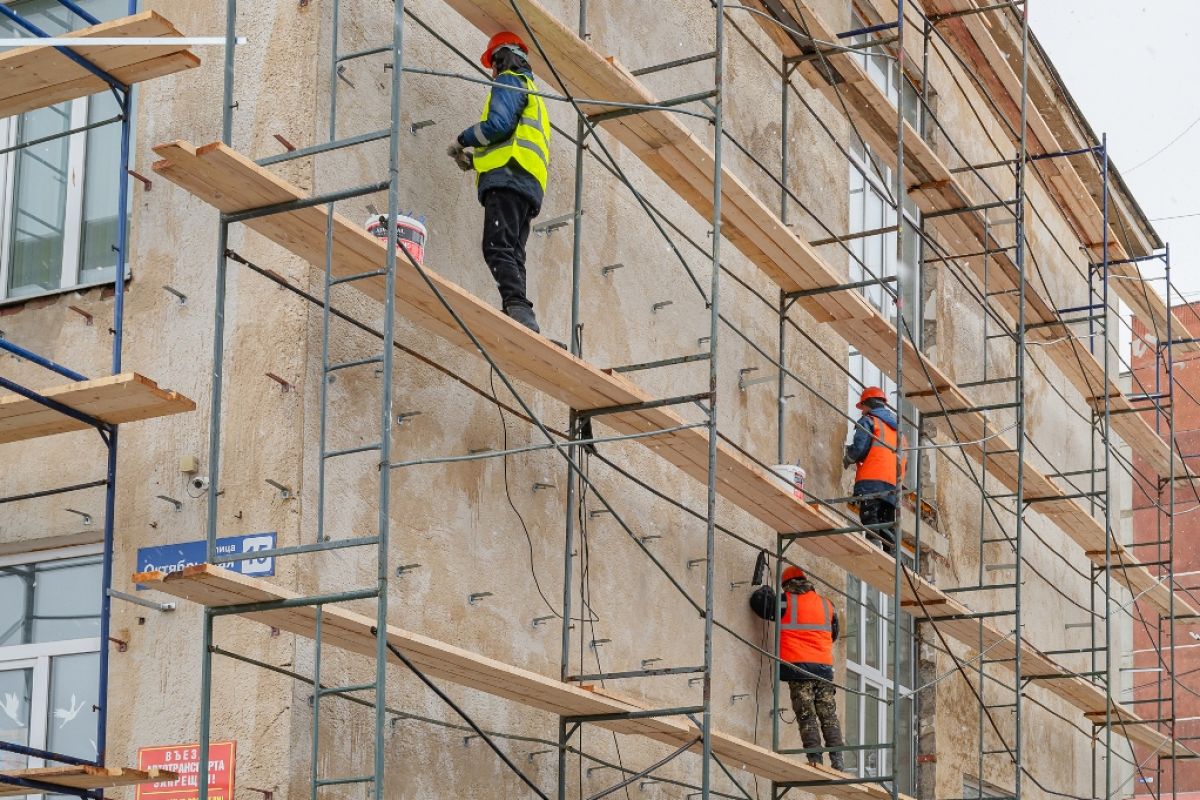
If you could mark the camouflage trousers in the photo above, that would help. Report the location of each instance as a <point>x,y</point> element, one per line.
<point>816,716</point>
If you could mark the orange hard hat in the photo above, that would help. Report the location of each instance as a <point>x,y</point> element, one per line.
<point>792,573</point>
<point>500,40</point>
<point>870,393</point>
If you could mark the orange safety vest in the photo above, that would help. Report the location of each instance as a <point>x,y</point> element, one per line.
<point>880,463</point>
<point>806,630</point>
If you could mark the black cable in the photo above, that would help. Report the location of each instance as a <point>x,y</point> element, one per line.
<point>524,528</point>
<point>278,280</point>
<point>586,586</point>
<point>466,718</point>
<point>556,75</point>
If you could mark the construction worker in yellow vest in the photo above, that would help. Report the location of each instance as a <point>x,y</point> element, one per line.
<point>511,159</point>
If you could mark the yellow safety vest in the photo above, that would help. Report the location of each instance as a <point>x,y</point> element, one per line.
<point>529,145</point>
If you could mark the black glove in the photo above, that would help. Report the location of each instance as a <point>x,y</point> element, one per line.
<point>847,461</point>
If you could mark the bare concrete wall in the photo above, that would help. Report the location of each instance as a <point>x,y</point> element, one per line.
<point>481,526</point>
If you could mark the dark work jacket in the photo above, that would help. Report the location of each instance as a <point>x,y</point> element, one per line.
<point>763,602</point>
<point>861,444</point>
<point>504,113</point>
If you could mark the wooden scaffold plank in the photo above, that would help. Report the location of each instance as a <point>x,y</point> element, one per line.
<point>76,779</point>
<point>669,148</point>
<point>233,183</point>
<point>215,587</point>
<point>976,37</point>
<point>936,189</point>
<point>38,76</point>
<point>117,399</point>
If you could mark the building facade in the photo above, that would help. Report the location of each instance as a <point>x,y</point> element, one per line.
<point>476,551</point>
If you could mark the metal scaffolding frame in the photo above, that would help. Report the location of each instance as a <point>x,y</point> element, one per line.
<point>108,432</point>
<point>574,445</point>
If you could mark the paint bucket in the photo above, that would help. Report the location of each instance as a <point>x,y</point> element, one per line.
<point>410,232</point>
<point>793,476</point>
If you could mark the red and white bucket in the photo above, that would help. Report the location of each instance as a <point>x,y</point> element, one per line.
<point>793,476</point>
<point>410,232</point>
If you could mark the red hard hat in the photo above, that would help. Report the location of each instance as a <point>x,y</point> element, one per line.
<point>870,393</point>
<point>500,40</point>
<point>792,573</point>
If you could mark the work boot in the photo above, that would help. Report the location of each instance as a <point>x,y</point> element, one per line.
<point>523,314</point>
<point>815,761</point>
<point>836,761</point>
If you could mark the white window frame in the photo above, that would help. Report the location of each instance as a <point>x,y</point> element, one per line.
<point>72,266</point>
<point>39,655</point>
<point>865,184</point>
<point>884,70</point>
<point>860,676</point>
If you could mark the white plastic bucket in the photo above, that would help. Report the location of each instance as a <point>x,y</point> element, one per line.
<point>793,477</point>
<point>410,232</point>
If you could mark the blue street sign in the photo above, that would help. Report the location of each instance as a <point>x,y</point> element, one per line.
<point>174,557</point>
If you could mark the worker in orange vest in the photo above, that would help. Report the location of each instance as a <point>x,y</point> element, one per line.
<point>808,627</point>
<point>875,448</point>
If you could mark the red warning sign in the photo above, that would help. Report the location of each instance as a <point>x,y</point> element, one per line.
<point>184,759</point>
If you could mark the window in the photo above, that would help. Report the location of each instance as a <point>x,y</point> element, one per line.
<point>50,654</point>
<point>869,670</point>
<point>881,66</point>
<point>58,198</point>
<point>875,257</point>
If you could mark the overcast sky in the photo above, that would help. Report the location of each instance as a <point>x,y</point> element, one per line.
<point>1133,66</point>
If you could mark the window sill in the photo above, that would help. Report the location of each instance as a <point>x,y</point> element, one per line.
<point>80,288</point>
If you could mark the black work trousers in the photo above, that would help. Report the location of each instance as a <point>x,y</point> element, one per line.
<point>876,511</point>
<point>506,218</point>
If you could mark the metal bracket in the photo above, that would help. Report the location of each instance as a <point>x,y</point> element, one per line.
<point>178,505</point>
<point>137,601</point>
<point>183,298</point>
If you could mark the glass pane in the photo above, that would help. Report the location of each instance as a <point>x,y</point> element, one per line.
<point>857,194</point>
<point>871,729</point>
<point>871,628</point>
<point>67,599</point>
<point>48,15</point>
<point>904,748</point>
<point>16,594</point>
<point>39,214</point>
<point>878,67</point>
<point>40,187</point>
<point>853,628</point>
<point>913,110</point>
<point>98,257</point>
<point>100,188</point>
<point>71,718</point>
<point>16,693</point>
<point>889,641</point>
<point>853,723</point>
<point>906,652</point>
<point>103,9</point>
